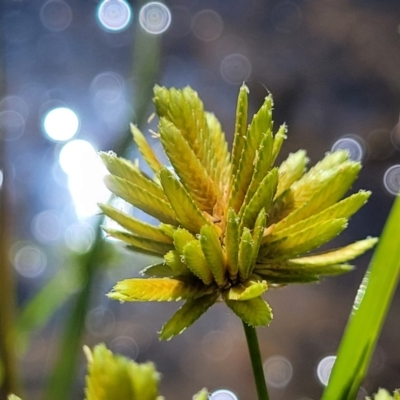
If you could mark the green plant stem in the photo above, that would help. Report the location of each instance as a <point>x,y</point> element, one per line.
<point>256,362</point>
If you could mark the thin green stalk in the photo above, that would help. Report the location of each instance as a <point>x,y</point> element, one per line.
<point>256,362</point>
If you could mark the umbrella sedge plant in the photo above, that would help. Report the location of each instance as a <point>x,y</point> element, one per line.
<point>234,224</point>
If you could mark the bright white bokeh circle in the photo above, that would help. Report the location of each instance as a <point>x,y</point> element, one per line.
<point>155,17</point>
<point>353,144</point>
<point>391,179</point>
<point>324,369</point>
<point>114,15</point>
<point>223,394</point>
<point>61,124</point>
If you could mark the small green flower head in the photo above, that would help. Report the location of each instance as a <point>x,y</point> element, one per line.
<point>230,224</point>
<point>116,377</point>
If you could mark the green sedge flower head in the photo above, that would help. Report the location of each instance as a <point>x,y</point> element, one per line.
<point>113,376</point>
<point>231,224</point>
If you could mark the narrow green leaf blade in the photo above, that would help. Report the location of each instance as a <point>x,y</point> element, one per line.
<point>187,315</point>
<point>369,311</point>
<point>255,312</point>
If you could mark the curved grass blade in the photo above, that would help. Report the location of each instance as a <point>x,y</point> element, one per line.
<point>369,312</point>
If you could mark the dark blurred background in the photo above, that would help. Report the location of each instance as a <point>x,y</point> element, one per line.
<point>70,89</point>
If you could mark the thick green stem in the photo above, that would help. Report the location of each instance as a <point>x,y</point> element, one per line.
<point>256,362</point>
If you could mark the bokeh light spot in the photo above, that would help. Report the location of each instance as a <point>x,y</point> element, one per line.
<point>391,179</point>
<point>107,87</point>
<point>235,68</point>
<point>353,144</point>
<point>324,369</point>
<point>86,172</point>
<point>155,17</point>
<point>61,124</point>
<point>100,322</point>
<point>79,237</point>
<point>395,136</point>
<point>223,394</point>
<point>12,125</point>
<point>207,25</point>
<point>114,15</point>
<point>217,345</point>
<point>125,346</point>
<point>46,226</point>
<point>278,371</point>
<point>28,260</point>
<point>56,15</point>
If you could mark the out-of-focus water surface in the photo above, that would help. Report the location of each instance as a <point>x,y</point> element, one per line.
<point>334,70</point>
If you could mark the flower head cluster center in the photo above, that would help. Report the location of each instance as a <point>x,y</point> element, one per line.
<point>230,224</point>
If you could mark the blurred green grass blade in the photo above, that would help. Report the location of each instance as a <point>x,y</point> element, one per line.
<point>63,375</point>
<point>369,312</point>
<point>39,309</point>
